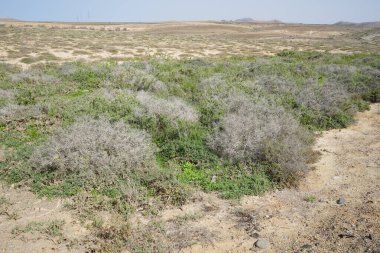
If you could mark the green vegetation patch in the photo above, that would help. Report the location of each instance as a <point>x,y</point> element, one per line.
<point>153,130</point>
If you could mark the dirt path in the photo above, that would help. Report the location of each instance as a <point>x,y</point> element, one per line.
<point>307,219</point>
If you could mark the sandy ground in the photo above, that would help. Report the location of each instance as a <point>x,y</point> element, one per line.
<point>31,43</point>
<point>307,219</point>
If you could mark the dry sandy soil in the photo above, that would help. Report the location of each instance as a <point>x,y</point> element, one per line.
<point>307,219</point>
<point>26,43</point>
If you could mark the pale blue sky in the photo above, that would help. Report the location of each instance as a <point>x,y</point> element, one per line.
<point>306,11</point>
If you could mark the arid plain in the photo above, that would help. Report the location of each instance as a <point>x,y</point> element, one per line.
<point>27,43</point>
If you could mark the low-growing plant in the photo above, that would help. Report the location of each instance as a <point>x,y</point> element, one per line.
<point>325,106</point>
<point>173,108</point>
<point>232,181</point>
<point>130,77</point>
<point>51,228</point>
<point>89,76</point>
<point>4,207</point>
<point>328,98</point>
<point>54,228</point>
<point>67,69</point>
<point>275,85</point>
<point>336,69</point>
<point>25,98</point>
<point>188,217</point>
<point>7,69</point>
<point>32,76</point>
<point>310,199</point>
<point>7,94</point>
<point>214,87</point>
<point>367,84</point>
<point>260,131</point>
<point>12,112</point>
<point>96,150</point>
<point>211,95</point>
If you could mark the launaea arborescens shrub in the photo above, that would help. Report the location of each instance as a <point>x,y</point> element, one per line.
<point>214,87</point>
<point>32,76</point>
<point>14,112</point>
<point>136,79</point>
<point>96,150</point>
<point>173,108</point>
<point>324,106</point>
<point>7,94</point>
<point>253,131</point>
<point>327,98</point>
<point>275,84</point>
<point>67,69</point>
<point>369,84</point>
<point>336,69</point>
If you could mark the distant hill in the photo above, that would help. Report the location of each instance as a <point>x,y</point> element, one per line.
<point>251,20</point>
<point>245,20</point>
<point>8,19</point>
<point>364,24</point>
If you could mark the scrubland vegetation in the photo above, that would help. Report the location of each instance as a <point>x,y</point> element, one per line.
<point>153,131</point>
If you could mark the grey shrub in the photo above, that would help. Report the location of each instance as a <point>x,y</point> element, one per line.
<point>7,94</point>
<point>126,76</point>
<point>14,112</point>
<point>173,107</point>
<point>96,150</point>
<point>260,131</point>
<point>32,76</point>
<point>328,98</point>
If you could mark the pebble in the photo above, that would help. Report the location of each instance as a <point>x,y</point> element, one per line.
<point>306,246</point>
<point>341,201</point>
<point>255,235</point>
<point>262,244</point>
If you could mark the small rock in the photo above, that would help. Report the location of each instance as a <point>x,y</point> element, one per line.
<point>213,179</point>
<point>341,201</point>
<point>208,207</point>
<point>347,234</point>
<point>262,244</point>
<point>306,246</point>
<point>255,235</point>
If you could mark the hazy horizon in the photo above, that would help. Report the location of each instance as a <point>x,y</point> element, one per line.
<point>292,11</point>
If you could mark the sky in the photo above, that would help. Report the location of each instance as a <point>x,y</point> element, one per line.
<point>297,11</point>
